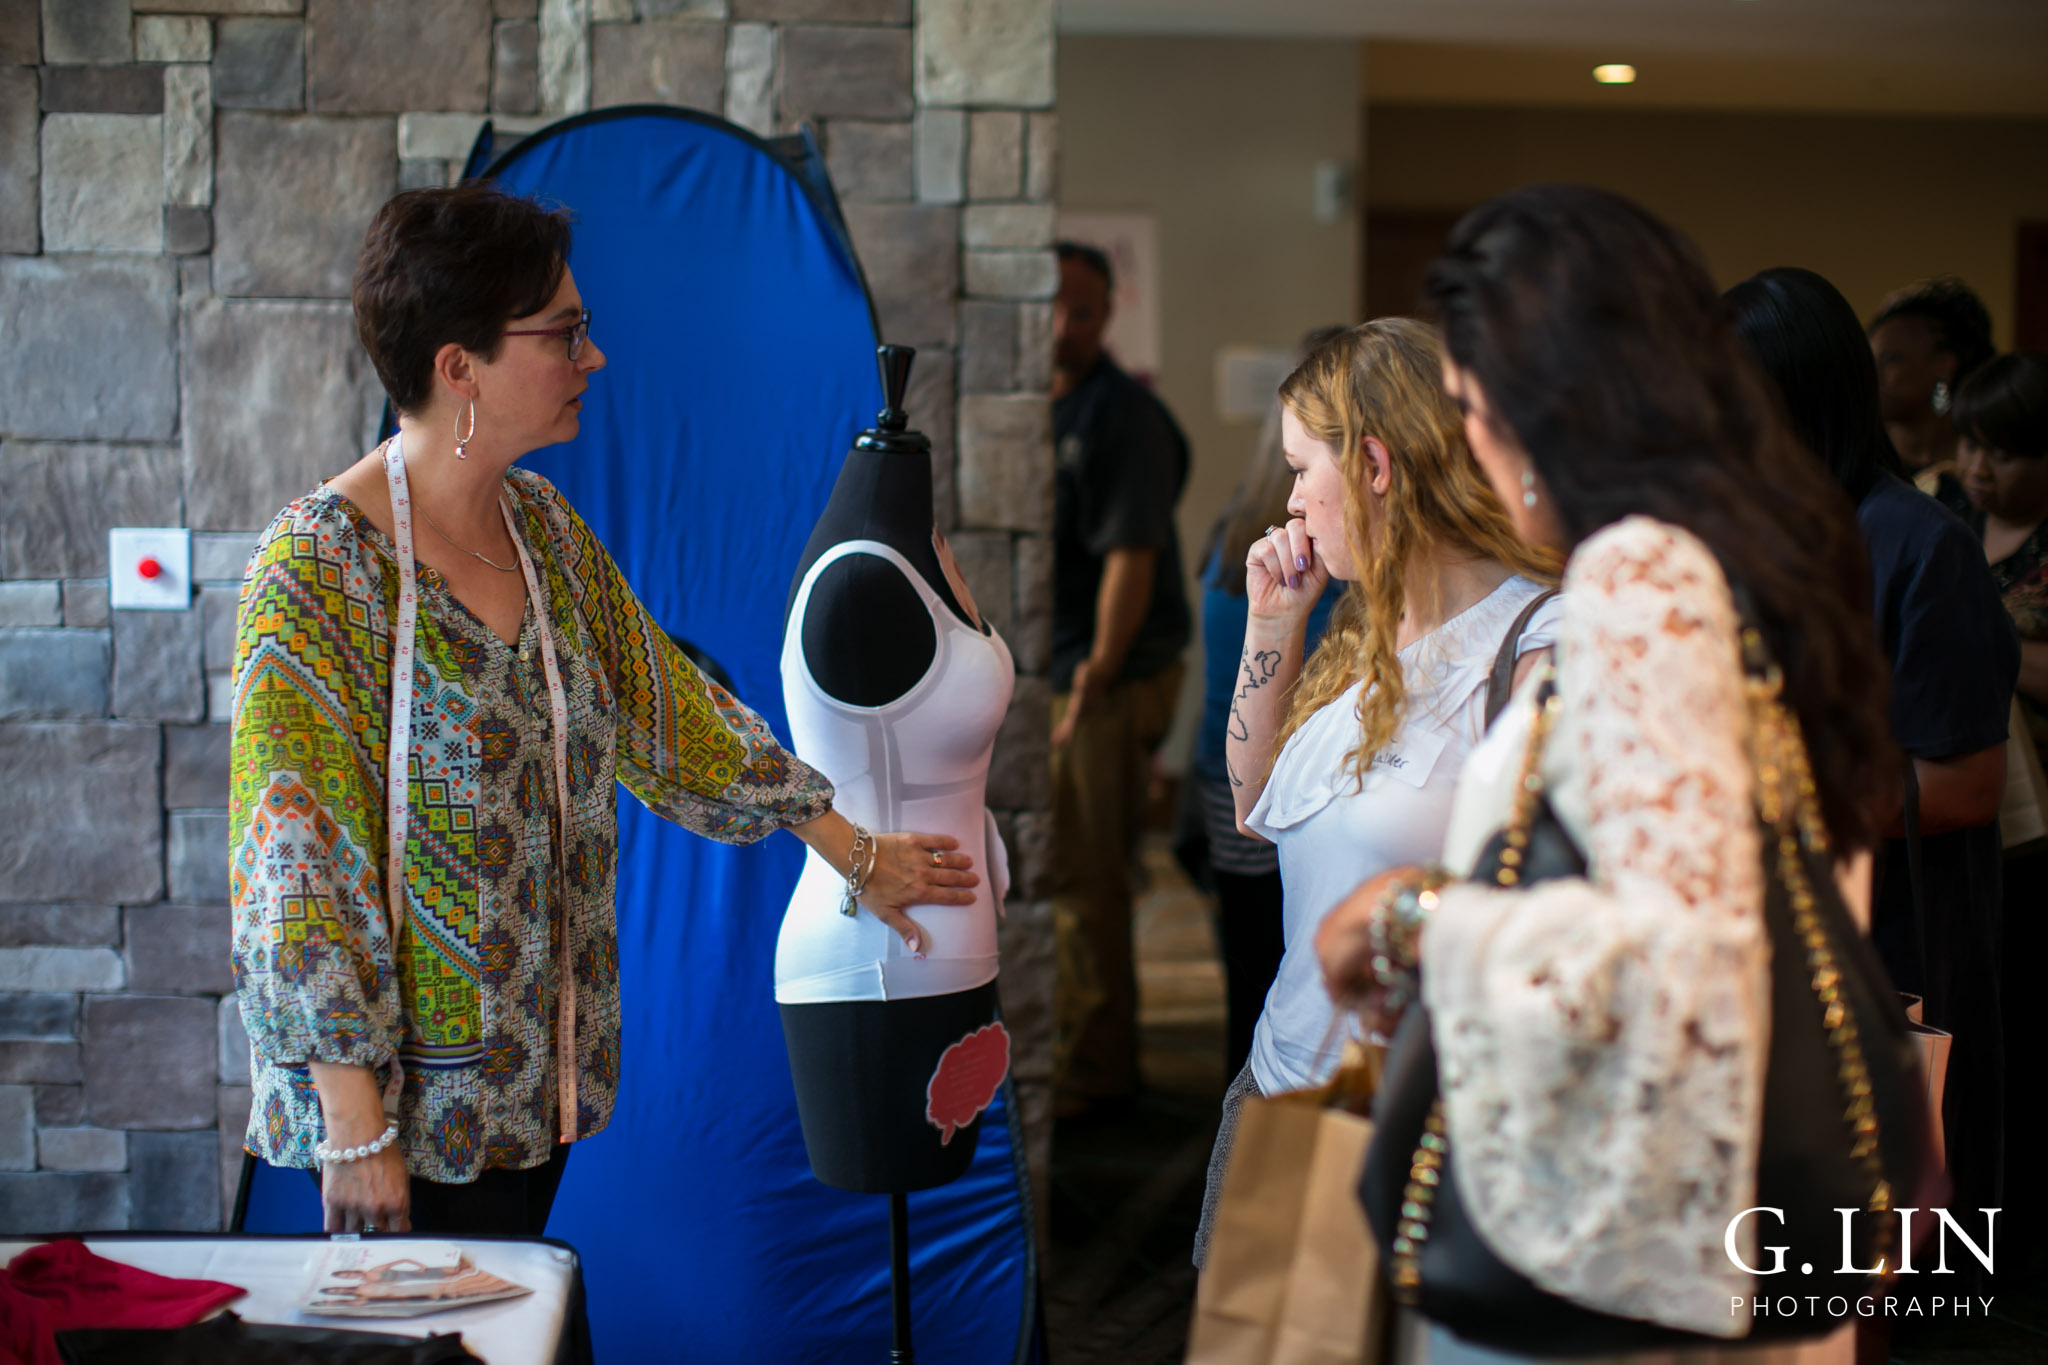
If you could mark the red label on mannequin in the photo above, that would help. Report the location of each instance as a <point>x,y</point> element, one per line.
<point>966,1079</point>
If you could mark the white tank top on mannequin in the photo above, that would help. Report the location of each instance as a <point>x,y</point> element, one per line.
<point>917,763</point>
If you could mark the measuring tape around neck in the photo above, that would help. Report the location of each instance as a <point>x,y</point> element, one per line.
<point>398,794</point>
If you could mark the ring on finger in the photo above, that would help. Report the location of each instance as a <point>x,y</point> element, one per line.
<point>938,858</point>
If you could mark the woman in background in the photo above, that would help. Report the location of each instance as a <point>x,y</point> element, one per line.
<point>1953,659</point>
<point>1927,338</point>
<point>1347,761</point>
<point>1246,871</point>
<point>2001,418</point>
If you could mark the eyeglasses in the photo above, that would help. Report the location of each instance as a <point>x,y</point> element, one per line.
<point>577,332</point>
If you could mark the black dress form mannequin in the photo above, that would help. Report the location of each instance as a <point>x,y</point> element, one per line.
<point>865,1069</point>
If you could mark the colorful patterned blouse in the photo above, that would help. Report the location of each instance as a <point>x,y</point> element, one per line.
<point>466,997</point>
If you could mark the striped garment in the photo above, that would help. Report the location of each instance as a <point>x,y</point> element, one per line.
<point>465,998</point>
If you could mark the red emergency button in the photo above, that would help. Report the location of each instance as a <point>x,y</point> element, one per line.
<point>150,567</point>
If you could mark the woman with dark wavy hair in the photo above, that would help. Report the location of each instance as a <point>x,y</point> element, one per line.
<point>1603,1040</point>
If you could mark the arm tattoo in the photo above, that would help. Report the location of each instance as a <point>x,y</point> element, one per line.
<point>1258,671</point>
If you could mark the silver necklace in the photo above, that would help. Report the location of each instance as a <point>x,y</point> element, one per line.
<point>501,568</point>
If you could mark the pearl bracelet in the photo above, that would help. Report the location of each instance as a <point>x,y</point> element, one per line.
<point>331,1157</point>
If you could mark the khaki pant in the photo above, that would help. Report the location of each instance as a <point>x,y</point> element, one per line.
<point>1099,786</point>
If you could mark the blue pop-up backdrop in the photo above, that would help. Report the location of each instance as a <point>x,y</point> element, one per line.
<point>740,365</point>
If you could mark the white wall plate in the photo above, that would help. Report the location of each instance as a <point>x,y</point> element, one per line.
<point>149,568</point>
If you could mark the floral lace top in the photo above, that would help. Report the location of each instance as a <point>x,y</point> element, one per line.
<point>465,997</point>
<point>1603,1041</point>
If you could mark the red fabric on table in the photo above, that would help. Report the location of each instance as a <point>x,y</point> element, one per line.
<point>57,1286</point>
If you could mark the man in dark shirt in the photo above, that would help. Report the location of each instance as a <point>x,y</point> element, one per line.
<point>1120,622</point>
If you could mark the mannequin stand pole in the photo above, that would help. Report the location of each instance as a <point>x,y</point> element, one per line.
<point>900,1352</point>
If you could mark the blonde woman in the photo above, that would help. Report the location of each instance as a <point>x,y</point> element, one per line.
<point>1347,763</point>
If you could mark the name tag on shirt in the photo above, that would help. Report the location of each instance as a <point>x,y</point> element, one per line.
<point>1409,758</point>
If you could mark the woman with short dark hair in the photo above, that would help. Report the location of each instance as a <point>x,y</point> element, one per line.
<point>1601,1039</point>
<point>439,677</point>
<point>1927,339</point>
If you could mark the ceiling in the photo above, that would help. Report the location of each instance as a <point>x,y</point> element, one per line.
<point>1929,56</point>
<point>1992,30</point>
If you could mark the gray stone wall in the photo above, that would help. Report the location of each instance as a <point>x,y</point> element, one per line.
<point>183,184</point>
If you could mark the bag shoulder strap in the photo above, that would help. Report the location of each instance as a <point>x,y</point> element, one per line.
<point>1501,685</point>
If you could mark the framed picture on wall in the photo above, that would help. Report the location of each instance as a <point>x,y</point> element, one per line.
<point>1131,241</point>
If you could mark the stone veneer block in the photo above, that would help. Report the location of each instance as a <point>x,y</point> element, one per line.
<point>869,162</point>
<point>87,31</point>
<point>1011,274</point>
<point>222,557</point>
<point>219,6</point>
<point>1006,465</point>
<point>234,1102</point>
<point>234,1043</point>
<point>196,767</point>
<point>77,926</point>
<point>984,559</point>
<point>844,72</point>
<point>988,347</point>
<point>90,351</point>
<point>1034,347</point>
<point>1041,156</point>
<point>564,56</point>
<point>444,138</point>
<point>1031,639</point>
<point>941,138</point>
<point>62,499</point>
<point>260,64</point>
<point>188,149</point>
<point>277,396</point>
<point>31,604</point>
<point>664,63</point>
<point>82,1149</point>
<point>21,32</point>
<point>85,824</point>
<point>60,969</point>
<point>58,1201</point>
<point>515,67</point>
<point>379,56</point>
<point>995,155</point>
<point>173,38</point>
<point>157,670</point>
<point>197,858</point>
<point>17,1128</point>
<point>821,11</point>
<point>149,1061</point>
<point>911,255</point>
<point>1008,225</point>
<point>53,674</point>
<point>180,947</point>
<point>1019,775</point>
<point>294,196</point>
<point>516,9</point>
<point>679,9</point>
<point>174,1179</point>
<point>103,182</point>
<point>217,606</point>
<point>20,162</point>
<point>60,1106</point>
<point>103,90</point>
<point>750,78</point>
<point>187,231</point>
<point>39,1015</point>
<point>85,604</point>
<point>985,52</point>
<point>929,401</point>
<point>33,1063</point>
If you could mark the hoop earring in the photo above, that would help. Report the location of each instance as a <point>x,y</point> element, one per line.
<point>1528,488</point>
<point>462,438</point>
<point>1942,399</point>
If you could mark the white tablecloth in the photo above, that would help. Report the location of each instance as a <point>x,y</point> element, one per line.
<point>275,1271</point>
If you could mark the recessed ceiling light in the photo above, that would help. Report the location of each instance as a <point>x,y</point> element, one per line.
<point>1615,73</point>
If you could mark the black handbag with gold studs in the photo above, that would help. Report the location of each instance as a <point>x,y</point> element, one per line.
<point>1844,1116</point>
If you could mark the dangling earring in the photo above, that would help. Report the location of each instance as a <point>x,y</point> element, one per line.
<point>1942,398</point>
<point>1528,488</point>
<point>463,438</point>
